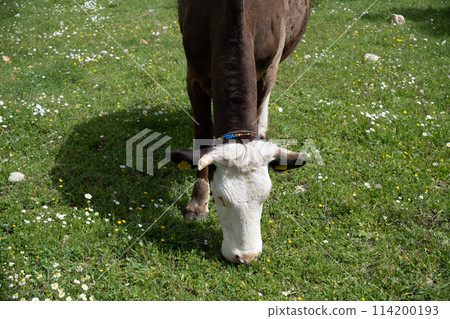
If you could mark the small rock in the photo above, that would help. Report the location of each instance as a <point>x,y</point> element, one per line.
<point>6,59</point>
<point>16,177</point>
<point>398,19</point>
<point>142,41</point>
<point>149,12</point>
<point>371,57</point>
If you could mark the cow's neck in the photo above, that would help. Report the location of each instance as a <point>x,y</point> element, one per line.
<point>234,86</point>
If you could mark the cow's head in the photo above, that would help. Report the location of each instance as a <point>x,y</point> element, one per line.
<point>240,185</point>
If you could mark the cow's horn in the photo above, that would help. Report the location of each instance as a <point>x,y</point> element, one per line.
<point>205,161</point>
<point>282,153</point>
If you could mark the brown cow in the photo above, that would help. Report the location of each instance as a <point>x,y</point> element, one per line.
<point>233,48</point>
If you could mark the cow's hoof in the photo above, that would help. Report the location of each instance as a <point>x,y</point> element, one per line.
<point>195,211</point>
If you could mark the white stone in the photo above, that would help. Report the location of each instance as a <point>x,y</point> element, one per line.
<point>16,177</point>
<point>371,57</point>
<point>398,19</point>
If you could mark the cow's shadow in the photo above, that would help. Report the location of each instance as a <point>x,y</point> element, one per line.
<point>92,160</point>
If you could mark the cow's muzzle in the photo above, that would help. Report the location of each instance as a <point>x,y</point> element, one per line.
<point>245,259</point>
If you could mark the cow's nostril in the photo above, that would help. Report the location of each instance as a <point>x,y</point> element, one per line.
<point>241,260</point>
<point>222,201</point>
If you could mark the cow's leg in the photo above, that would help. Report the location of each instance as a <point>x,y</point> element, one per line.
<point>201,105</point>
<point>265,85</point>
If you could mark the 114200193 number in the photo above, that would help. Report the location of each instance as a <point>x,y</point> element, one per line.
<point>405,310</point>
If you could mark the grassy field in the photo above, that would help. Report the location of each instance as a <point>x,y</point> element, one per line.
<point>78,78</point>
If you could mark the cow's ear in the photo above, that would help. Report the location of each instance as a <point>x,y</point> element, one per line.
<point>281,165</point>
<point>183,159</point>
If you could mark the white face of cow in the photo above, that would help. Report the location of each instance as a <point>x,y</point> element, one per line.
<point>240,185</point>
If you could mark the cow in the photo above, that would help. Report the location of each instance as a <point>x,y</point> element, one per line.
<point>233,49</point>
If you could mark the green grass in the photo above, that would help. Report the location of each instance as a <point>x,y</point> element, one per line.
<point>383,125</point>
